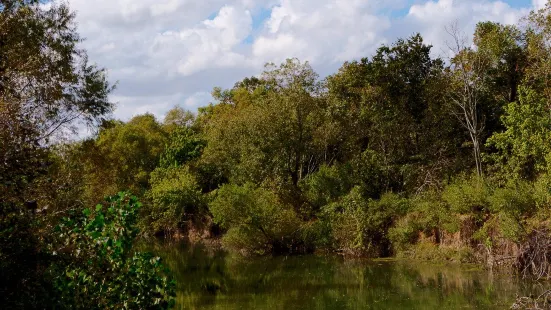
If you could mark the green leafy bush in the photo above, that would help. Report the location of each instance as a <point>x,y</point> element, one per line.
<point>467,195</point>
<point>516,198</point>
<point>428,214</point>
<point>256,220</point>
<point>360,226</point>
<point>101,269</point>
<point>326,185</point>
<point>508,207</point>
<point>175,197</point>
<point>433,252</point>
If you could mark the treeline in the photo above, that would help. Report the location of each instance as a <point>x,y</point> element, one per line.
<point>400,154</point>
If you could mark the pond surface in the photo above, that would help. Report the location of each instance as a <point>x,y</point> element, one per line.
<point>214,279</point>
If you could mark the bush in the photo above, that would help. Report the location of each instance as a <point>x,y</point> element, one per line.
<point>256,220</point>
<point>102,270</point>
<point>175,197</point>
<point>508,207</point>
<point>515,199</point>
<point>326,185</point>
<point>427,214</point>
<point>467,195</point>
<point>360,226</point>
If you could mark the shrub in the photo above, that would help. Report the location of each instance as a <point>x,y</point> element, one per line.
<point>359,226</point>
<point>326,185</point>
<point>427,214</point>
<point>468,196</point>
<point>102,270</point>
<point>515,199</point>
<point>175,196</point>
<point>256,220</point>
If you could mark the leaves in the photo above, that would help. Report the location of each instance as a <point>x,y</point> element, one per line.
<point>103,270</point>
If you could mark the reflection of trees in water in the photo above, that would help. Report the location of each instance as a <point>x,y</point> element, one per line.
<point>210,279</point>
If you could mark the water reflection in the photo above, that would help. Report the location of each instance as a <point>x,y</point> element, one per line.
<point>213,279</point>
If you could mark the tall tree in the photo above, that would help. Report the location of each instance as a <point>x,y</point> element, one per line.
<point>468,75</point>
<point>390,105</point>
<point>122,156</point>
<point>265,131</point>
<point>43,71</point>
<point>46,85</point>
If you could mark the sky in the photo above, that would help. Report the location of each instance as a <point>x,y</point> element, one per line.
<point>163,53</point>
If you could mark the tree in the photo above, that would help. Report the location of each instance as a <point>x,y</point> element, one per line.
<point>390,105</point>
<point>267,133</point>
<point>538,36</point>
<point>123,153</point>
<point>44,73</point>
<point>176,118</point>
<point>46,84</point>
<point>505,48</point>
<point>22,162</point>
<point>467,71</point>
<point>486,78</point>
<point>523,148</point>
<point>183,145</point>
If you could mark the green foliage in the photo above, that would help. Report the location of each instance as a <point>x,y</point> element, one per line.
<point>516,199</point>
<point>499,213</point>
<point>122,156</point>
<point>388,107</point>
<point>270,135</point>
<point>175,197</point>
<point>177,118</point>
<point>430,251</point>
<point>183,146</point>
<point>371,173</point>
<point>44,72</point>
<point>46,85</point>
<point>524,147</point>
<point>256,220</point>
<point>428,214</point>
<point>360,226</point>
<point>370,161</point>
<point>103,270</point>
<point>326,185</point>
<point>467,195</point>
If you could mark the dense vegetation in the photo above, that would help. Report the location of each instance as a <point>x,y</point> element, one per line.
<point>398,154</point>
<point>55,251</point>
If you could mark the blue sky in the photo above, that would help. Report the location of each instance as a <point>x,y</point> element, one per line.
<point>173,52</point>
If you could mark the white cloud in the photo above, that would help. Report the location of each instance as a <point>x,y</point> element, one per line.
<point>127,107</point>
<point>321,31</point>
<point>431,18</point>
<point>168,52</point>
<point>208,45</point>
<point>539,4</point>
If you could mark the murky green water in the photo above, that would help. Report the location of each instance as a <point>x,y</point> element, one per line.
<point>217,280</point>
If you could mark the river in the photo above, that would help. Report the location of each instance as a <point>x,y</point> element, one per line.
<point>215,279</point>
